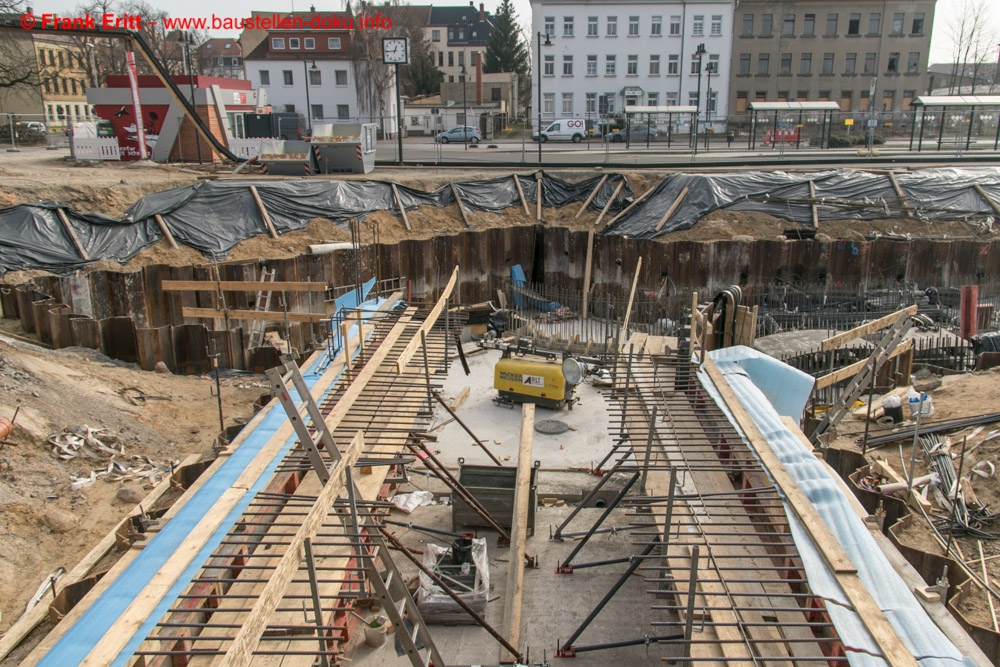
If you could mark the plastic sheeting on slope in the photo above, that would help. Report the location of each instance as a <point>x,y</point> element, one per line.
<point>939,194</point>
<point>213,216</point>
<point>760,383</point>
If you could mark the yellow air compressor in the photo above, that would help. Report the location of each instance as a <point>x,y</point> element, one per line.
<point>549,384</point>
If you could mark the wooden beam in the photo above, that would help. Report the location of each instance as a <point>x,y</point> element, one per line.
<point>870,327</point>
<point>586,272</point>
<point>414,344</point>
<point>673,208</point>
<point>239,286</point>
<point>240,652</point>
<point>518,535</point>
<point>883,469</point>
<point>885,636</point>
<point>402,209</point>
<point>71,234</point>
<point>34,616</point>
<point>538,196</point>
<point>986,197</point>
<point>899,193</point>
<point>611,200</point>
<point>520,194</point>
<point>635,203</point>
<point>263,212</point>
<point>604,179</point>
<point>631,297</point>
<point>270,315</point>
<point>847,372</point>
<point>166,230</point>
<point>812,207</point>
<point>458,200</point>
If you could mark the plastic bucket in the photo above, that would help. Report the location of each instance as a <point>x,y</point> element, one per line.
<point>375,637</point>
<point>896,413</point>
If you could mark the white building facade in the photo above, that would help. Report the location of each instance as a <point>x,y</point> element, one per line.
<point>605,55</point>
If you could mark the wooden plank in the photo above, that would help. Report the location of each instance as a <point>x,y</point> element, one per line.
<point>611,200</point>
<point>263,212</point>
<point>850,371</point>
<point>631,296</point>
<point>877,409</point>
<point>986,197</point>
<point>520,194</point>
<point>240,652</point>
<point>883,468</point>
<point>414,344</point>
<point>518,536</point>
<point>402,209</point>
<point>72,234</point>
<point>538,196</point>
<point>834,342</point>
<point>899,193</point>
<point>270,315</point>
<point>458,200</point>
<point>604,179</point>
<point>239,286</point>
<point>885,636</point>
<point>673,207</point>
<point>34,616</point>
<point>635,203</point>
<point>166,230</point>
<point>812,207</point>
<point>587,266</point>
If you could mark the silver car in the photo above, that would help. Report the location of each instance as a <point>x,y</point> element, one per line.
<point>460,134</point>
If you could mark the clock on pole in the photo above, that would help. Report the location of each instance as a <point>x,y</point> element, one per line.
<point>395,50</point>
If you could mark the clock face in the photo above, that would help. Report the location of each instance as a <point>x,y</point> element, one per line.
<point>394,50</point>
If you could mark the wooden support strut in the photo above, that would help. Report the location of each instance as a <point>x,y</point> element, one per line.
<point>834,342</point>
<point>604,179</point>
<point>538,196</point>
<point>812,206</point>
<point>520,194</point>
<point>611,200</point>
<point>899,193</point>
<point>635,203</point>
<point>847,372</point>
<point>458,200</point>
<point>586,272</point>
<point>263,212</point>
<point>673,208</point>
<point>239,286</point>
<point>986,197</point>
<point>72,234</point>
<point>631,297</point>
<point>518,535</point>
<point>166,230</point>
<point>252,315</point>
<point>399,204</point>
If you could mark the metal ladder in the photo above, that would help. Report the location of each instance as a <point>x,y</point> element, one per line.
<point>262,304</point>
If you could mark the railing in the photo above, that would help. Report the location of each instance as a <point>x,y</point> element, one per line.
<point>96,148</point>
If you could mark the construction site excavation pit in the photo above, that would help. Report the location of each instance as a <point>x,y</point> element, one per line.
<point>661,524</point>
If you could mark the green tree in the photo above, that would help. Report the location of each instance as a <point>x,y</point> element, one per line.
<point>507,50</point>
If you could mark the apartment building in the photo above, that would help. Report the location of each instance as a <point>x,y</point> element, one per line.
<point>63,80</point>
<point>605,55</point>
<point>813,50</point>
<point>458,37</point>
<point>220,56</point>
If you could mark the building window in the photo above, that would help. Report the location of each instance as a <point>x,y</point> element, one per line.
<point>854,25</point>
<point>606,103</point>
<point>550,66</point>
<point>913,62</point>
<point>567,103</point>
<point>609,65</point>
<point>675,25</point>
<point>744,63</point>
<point>612,26</point>
<point>333,43</point>
<point>451,59</point>
<point>869,63</point>
<point>673,65</point>
<point>633,66</point>
<point>888,100</point>
<point>716,25</point>
<point>766,24</point>
<point>785,64</point>
<point>550,25</point>
<point>315,77</point>
<point>809,25</point>
<point>265,77</point>
<point>567,26</point>
<point>897,24</point>
<point>864,104</point>
<point>289,108</point>
<point>48,86</point>
<point>653,99</point>
<point>918,24</point>
<point>591,26</point>
<point>591,103</point>
<point>699,26</point>
<point>317,111</point>
<point>340,77</point>
<point>461,59</point>
<point>892,67</point>
<point>307,42</point>
<point>656,27</point>
<point>496,94</point>
<point>343,111</point>
<point>908,96</point>
<point>73,85</point>
<point>760,97</point>
<point>831,25</point>
<point>670,99</point>
<point>277,43</point>
<point>788,26</point>
<point>435,35</point>
<point>824,96</point>
<point>694,66</point>
<point>549,103</point>
<point>567,65</point>
<point>747,25</point>
<point>874,23</point>
<point>654,65</point>
<point>806,63</point>
<point>293,42</point>
<point>61,65</point>
<point>846,100</point>
<point>440,58</point>
<point>741,101</point>
<point>713,63</point>
<point>633,26</point>
<point>827,63</point>
<point>693,100</point>
<point>763,63</point>
<point>591,65</point>
<point>850,63</point>
<point>287,76</point>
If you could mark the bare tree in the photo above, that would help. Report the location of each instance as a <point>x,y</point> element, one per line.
<point>972,43</point>
<point>372,78</point>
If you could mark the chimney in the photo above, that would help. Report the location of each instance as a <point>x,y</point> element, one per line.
<point>31,10</point>
<point>482,11</point>
<point>479,77</point>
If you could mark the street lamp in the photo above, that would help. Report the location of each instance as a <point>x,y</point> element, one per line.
<point>699,53</point>
<point>187,39</point>
<point>548,43</point>
<point>465,110</point>
<point>710,69</point>
<point>305,70</point>
<point>93,62</point>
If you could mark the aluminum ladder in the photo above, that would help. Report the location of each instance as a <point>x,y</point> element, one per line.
<point>262,304</point>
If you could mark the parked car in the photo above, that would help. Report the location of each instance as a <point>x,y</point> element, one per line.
<point>36,126</point>
<point>460,134</point>
<point>636,134</point>
<point>564,129</point>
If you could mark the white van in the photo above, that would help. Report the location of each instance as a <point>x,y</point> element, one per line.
<point>564,129</point>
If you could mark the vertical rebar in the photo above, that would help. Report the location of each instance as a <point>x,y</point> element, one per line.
<point>317,605</point>
<point>427,372</point>
<point>692,583</point>
<point>954,500</point>
<point>667,520</point>
<point>649,450</point>
<point>913,451</point>
<point>628,381</point>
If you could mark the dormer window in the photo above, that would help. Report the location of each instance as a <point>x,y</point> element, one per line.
<point>278,43</point>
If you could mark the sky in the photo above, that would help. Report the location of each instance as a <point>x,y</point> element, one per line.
<point>940,40</point>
